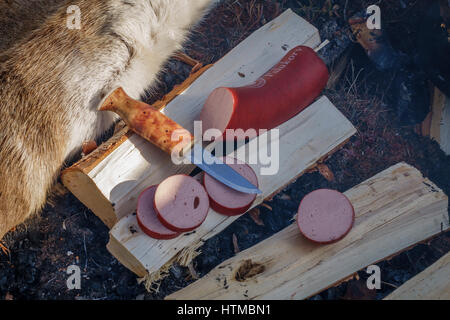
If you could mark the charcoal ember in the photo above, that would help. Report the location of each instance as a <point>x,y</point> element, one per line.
<point>35,237</point>
<point>411,95</point>
<point>399,276</point>
<point>27,274</point>
<point>209,257</point>
<point>433,46</point>
<point>339,38</point>
<point>31,275</point>
<point>377,44</point>
<point>4,282</point>
<point>176,271</point>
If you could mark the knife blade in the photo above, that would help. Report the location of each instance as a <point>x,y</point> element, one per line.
<point>157,128</point>
<point>220,171</point>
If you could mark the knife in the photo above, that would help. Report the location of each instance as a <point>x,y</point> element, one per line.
<point>157,128</point>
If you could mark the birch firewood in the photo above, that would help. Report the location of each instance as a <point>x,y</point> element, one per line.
<point>431,284</point>
<point>440,120</point>
<point>394,210</point>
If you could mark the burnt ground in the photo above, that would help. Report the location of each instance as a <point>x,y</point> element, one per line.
<point>67,233</point>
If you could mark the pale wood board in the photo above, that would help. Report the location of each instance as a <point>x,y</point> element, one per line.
<point>440,120</point>
<point>431,284</point>
<point>303,140</point>
<point>394,210</point>
<point>110,188</point>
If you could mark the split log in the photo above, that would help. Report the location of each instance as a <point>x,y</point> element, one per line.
<point>431,284</point>
<point>394,210</point>
<point>303,141</point>
<point>110,179</point>
<point>440,120</point>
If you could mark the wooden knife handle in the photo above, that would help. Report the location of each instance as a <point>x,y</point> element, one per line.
<point>149,123</point>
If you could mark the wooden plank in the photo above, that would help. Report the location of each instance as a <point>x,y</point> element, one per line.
<point>109,181</point>
<point>303,140</point>
<point>440,120</point>
<point>394,210</point>
<point>431,284</point>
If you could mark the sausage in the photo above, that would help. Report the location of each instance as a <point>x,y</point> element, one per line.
<point>325,216</point>
<point>181,203</point>
<point>147,217</point>
<point>228,201</point>
<point>284,91</point>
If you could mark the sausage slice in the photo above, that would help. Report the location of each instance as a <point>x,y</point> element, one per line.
<point>147,218</point>
<point>228,201</point>
<point>181,203</point>
<point>325,216</point>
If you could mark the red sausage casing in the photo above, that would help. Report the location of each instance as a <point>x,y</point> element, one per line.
<point>280,94</point>
<point>147,217</point>
<point>225,200</point>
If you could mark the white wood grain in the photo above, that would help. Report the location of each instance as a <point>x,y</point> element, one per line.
<point>431,284</point>
<point>394,210</point>
<point>440,120</point>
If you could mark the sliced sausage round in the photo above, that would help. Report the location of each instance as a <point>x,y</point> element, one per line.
<point>325,216</point>
<point>147,218</point>
<point>181,203</point>
<point>228,201</point>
